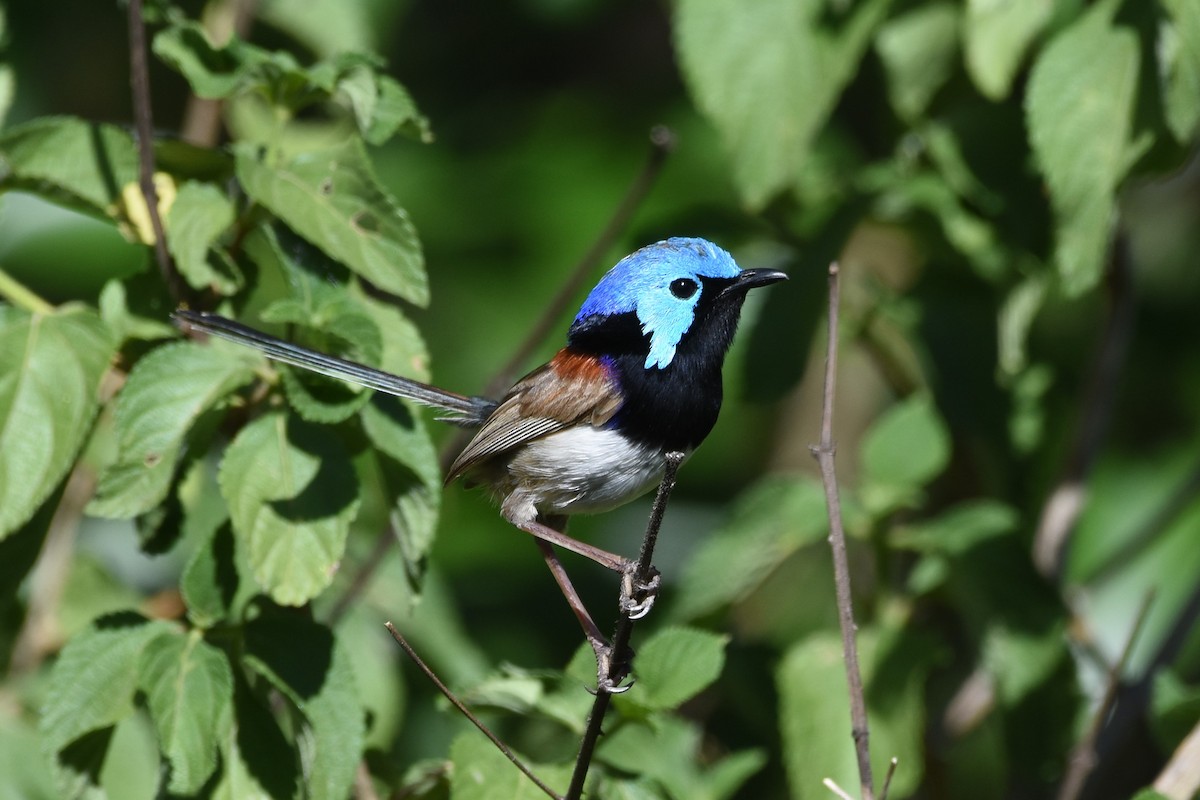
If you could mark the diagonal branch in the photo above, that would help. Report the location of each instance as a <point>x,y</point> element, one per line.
<point>139,78</point>
<point>824,453</point>
<point>623,632</point>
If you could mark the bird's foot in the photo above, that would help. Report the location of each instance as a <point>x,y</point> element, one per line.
<point>610,670</point>
<point>638,595</point>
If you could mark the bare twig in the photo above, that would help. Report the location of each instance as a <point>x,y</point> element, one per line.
<point>832,786</point>
<point>624,631</point>
<point>139,78</point>
<point>887,779</point>
<point>1067,500</point>
<point>1083,757</point>
<point>466,712</point>
<point>824,453</point>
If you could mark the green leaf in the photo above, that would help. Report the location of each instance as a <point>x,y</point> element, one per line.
<point>903,450</point>
<point>1149,794</point>
<point>768,76</point>
<point>1021,659</point>
<point>199,215</point>
<point>1180,54</point>
<point>50,371</point>
<point>382,107</point>
<point>1016,318</point>
<point>91,688</point>
<point>80,164</point>
<point>772,520</point>
<point>211,580</point>
<point>323,689</point>
<point>219,72</point>
<point>814,709</point>
<point>1079,107</point>
<point>481,772</point>
<point>292,494</point>
<point>189,688</point>
<point>668,750</point>
<point>919,49</point>
<point>996,36</point>
<point>957,530</point>
<point>334,199</point>
<point>676,664</point>
<point>124,323</point>
<point>257,760</point>
<point>166,393</point>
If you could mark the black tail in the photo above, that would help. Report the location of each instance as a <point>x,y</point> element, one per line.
<point>464,410</point>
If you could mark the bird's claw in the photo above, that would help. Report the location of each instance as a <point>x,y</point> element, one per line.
<point>609,673</point>
<point>637,595</point>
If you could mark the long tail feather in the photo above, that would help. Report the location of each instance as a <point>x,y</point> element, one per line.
<point>466,410</point>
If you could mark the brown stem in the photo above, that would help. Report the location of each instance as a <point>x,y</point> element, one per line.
<point>824,453</point>
<point>139,77</point>
<point>623,632</point>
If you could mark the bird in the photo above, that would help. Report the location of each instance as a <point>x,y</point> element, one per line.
<point>588,431</point>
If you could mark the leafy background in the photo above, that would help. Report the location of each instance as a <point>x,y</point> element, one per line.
<point>1011,190</point>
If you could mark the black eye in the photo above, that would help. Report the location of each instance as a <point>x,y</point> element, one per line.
<point>683,288</point>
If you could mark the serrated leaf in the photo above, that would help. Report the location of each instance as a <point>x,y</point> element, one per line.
<point>323,688</point>
<point>1180,52</point>
<point>1079,107</point>
<point>91,688</point>
<point>292,494</point>
<point>199,215</point>
<point>996,36</point>
<point>80,164</point>
<point>772,520</point>
<point>903,450</point>
<point>918,49</point>
<point>768,75</point>
<point>50,371</point>
<point>334,199</point>
<point>219,72</point>
<point>481,772</point>
<point>814,715</point>
<point>189,688</point>
<point>166,393</point>
<point>676,664</point>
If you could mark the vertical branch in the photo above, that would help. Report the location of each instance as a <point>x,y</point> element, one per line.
<point>824,453</point>
<point>139,78</point>
<point>623,632</point>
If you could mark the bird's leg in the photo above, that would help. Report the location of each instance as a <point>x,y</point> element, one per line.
<point>637,596</point>
<point>608,678</point>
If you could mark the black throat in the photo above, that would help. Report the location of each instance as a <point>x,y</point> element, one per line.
<point>675,407</point>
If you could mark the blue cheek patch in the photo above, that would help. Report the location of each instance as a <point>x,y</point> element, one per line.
<point>665,319</point>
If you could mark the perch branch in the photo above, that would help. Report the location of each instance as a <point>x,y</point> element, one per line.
<point>824,453</point>
<point>624,631</point>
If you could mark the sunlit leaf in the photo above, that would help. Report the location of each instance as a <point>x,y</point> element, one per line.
<point>199,215</point>
<point>334,200</point>
<point>676,664</point>
<point>292,493</point>
<point>481,772</point>
<point>1181,53</point>
<point>904,449</point>
<point>166,393</point>
<point>189,688</point>
<point>918,49</point>
<point>50,370</point>
<point>81,164</point>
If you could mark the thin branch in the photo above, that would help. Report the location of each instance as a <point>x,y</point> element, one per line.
<point>466,712</point>
<point>832,786</point>
<point>887,779</point>
<point>662,143</point>
<point>624,630</point>
<point>21,296</point>
<point>1066,501</point>
<point>1083,757</point>
<point>824,453</point>
<point>139,77</point>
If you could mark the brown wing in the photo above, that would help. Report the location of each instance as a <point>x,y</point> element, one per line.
<point>571,388</point>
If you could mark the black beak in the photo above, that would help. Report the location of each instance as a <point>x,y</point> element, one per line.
<point>752,278</point>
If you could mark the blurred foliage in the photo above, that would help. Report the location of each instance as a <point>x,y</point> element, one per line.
<point>1010,189</point>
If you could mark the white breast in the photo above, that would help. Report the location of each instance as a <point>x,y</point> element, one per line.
<point>581,470</point>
